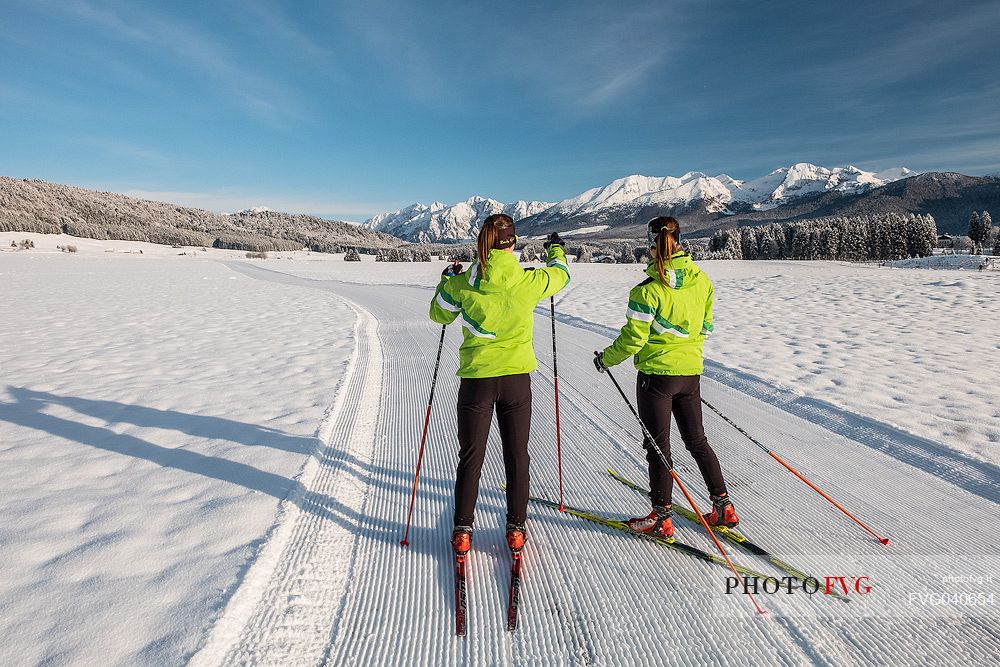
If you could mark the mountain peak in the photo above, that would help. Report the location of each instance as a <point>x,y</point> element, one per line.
<point>461,221</point>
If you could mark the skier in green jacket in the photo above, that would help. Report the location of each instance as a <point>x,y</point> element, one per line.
<point>495,300</point>
<point>669,315</point>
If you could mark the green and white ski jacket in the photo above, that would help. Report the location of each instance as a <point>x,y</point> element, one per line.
<point>666,324</point>
<point>496,311</point>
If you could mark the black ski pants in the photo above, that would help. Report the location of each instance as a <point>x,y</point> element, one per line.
<point>659,396</point>
<point>511,395</point>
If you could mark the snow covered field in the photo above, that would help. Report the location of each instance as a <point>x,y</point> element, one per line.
<point>156,409</point>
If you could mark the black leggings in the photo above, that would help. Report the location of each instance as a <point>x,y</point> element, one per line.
<point>511,394</point>
<point>659,396</point>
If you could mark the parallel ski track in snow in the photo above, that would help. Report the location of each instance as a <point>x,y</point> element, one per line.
<point>334,586</point>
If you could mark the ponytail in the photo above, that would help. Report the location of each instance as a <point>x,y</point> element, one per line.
<point>664,233</point>
<point>489,237</point>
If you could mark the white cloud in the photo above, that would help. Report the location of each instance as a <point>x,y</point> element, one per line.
<point>582,57</point>
<point>202,52</point>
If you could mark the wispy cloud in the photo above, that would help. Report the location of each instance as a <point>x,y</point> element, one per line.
<point>955,35</point>
<point>591,56</point>
<point>269,22</point>
<point>583,57</point>
<point>123,151</point>
<point>201,51</point>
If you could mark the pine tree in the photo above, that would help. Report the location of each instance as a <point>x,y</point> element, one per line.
<point>767,244</point>
<point>748,242</point>
<point>986,222</point>
<point>733,248</point>
<point>718,241</point>
<point>976,232</point>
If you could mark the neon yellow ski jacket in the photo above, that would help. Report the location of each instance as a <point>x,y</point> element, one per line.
<point>496,311</point>
<point>666,324</point>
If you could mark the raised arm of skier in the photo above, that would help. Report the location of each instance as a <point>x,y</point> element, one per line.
<point>555,276</point>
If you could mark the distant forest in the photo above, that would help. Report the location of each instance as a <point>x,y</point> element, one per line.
<point>49,208</point>
<point>855,239</point>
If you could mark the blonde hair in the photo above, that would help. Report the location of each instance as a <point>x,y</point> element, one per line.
<point>488,237</point>
<point>666,244</point>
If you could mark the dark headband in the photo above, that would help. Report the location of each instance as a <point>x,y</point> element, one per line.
<point>506,237</point>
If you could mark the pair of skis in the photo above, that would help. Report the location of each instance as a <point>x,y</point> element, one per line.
<point>730,535</point>
<point>462,597</point>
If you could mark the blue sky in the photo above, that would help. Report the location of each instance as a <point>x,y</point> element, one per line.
<point>349,109</point>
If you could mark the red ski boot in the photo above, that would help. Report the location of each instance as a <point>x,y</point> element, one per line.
<point>723,513</point>
<point>461,540</point>
<point>659,521</point>
<point>517,535</point>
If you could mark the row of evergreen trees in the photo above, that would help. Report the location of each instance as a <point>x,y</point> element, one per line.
<point>856,239</point>
<point>399,255</point>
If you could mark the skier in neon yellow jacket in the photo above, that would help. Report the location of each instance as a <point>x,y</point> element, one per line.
<point>496,308</point>
<point>495,301</point>
<point>667,319</point>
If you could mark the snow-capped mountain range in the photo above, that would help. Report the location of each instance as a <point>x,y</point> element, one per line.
<point>623,201</point>
<point>421,223</point>
<point>715,195</point>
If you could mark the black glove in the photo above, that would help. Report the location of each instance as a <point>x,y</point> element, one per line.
<point>599,363</point>
<point>552,240</point>
<point>452,270</point>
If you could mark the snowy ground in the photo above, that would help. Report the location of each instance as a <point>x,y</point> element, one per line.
<point>153,413</point>
<point>155,409</point>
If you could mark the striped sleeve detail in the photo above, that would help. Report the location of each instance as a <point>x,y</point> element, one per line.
<point>474,277</point>
<point>662,326</point>
<point>707,328</point>
<point>475,328</point>
<point>639,311</point>
<point>559,263</point>
<point>444,300</point>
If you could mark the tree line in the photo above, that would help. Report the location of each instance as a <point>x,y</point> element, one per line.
<point>855,239</point>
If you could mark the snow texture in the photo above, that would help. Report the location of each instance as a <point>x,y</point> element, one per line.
<point>155,410</point>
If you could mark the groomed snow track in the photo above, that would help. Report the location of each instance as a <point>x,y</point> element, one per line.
<point>333,585</point>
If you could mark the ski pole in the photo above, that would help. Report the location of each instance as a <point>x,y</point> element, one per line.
<point>555,380</point>
<point>663,459</point>
<point>883,540</point>
<point>423,439</point>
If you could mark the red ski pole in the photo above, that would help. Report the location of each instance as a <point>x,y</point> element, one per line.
<point>663,459</point>
<point>423,439</point>
<point>555,381</point>
<point>883,540</point>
